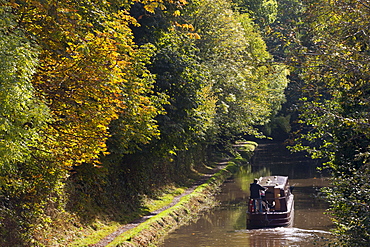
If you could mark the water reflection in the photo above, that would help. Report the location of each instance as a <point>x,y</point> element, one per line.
<point>226,224</point>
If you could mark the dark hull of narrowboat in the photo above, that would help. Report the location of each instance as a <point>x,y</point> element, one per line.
<point>271,219</point>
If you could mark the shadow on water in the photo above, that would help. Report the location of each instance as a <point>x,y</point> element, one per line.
<point>226,224</point>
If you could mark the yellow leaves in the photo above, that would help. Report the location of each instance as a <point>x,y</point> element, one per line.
<point>89,37</point>
<point>102,127</point>
<point>176,13</point>
<point>151,5</point>
<point>103,145</point>
<point>90,75</point>
<point>81,90</point>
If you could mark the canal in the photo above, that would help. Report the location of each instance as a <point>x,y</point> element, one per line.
<point>226,224</point>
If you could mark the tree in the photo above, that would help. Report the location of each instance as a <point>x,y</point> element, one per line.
<point>28,177</point>
<point>89,76</point>
<point>233,51</point>
<point>69,69</point>
<point>180,75</point>
<point>335,109</point>
<point>263,12</point>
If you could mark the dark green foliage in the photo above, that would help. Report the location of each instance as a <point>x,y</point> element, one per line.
<point>335,109</point>
<point>180,76</point>
<point>263,11</point>
<point>349,199</point>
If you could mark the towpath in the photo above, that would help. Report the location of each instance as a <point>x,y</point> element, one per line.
<point>105,241</point>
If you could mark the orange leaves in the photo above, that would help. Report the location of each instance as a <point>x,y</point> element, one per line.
<point>188,27</point>
<point>194,36</point>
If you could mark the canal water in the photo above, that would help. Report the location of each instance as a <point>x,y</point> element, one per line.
<point>226,224</point>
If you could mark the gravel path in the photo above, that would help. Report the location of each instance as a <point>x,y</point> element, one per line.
<point>105,241</point>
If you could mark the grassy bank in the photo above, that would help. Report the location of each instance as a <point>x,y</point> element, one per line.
<point>150,232</point>
<point>188,208</point>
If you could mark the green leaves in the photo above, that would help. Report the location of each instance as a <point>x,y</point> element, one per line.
<point>335,108</point>
<point>235,55</point>
<point>22,116</point>
<point>27,174</point>
<point>263,11</point>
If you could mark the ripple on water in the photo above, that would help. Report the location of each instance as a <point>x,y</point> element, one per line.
<point>285,236</point>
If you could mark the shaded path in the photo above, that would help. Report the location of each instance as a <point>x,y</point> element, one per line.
<point>105,241</point>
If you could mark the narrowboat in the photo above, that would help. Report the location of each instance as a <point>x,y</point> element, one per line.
<point>276,206</point>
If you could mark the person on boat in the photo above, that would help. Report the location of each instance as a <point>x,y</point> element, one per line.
<point>255,194</point>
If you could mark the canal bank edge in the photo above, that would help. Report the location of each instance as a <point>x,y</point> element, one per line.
<point>152,231</point>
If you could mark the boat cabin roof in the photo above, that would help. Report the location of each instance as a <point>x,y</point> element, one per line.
<point>273,181</point>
